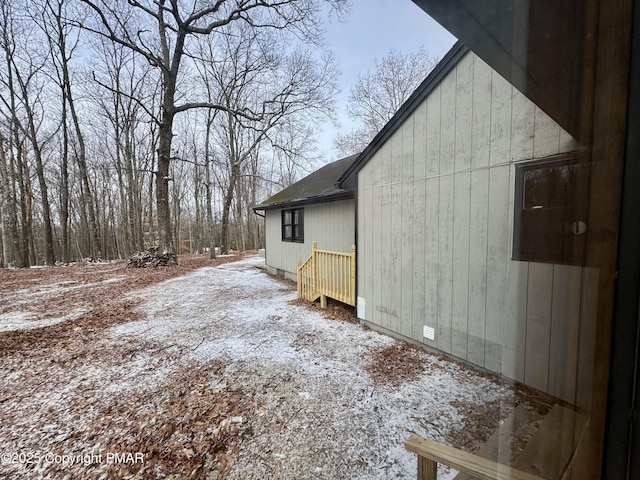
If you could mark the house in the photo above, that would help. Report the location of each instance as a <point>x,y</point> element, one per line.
<point>440,263</point>
<point>449,221</point>
<point>312,209</point>
<point>445,256</point>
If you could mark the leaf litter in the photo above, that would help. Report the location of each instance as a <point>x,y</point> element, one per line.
<point>213,370</point>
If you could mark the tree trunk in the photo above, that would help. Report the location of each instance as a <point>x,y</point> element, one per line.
<point>10,212</point>
<point>226,211</point>
<point>81,159</point>
<point>46,209</point>
<point>64,187</point>
<point>209,231</point>
<point>163,212</point>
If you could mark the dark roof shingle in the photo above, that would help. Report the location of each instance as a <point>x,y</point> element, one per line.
<point>319,186</point>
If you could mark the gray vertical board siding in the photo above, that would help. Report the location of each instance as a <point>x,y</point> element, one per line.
<point>513,357</point>
<point>419,142</point>
<point>331,224</point>
<point>460,273</point>
<point>438,200</point>
<point>364,278</point>
<point>481,114</point>
<point>478,238</point>
<point>522,126</point>
<point>513,354</point>
<point>386,164</point>
<point>501,127</point>
<point>539,296</point>
<point>406,257</point>
<point>445,263</point>
<point>433,134</point>
<point>447,124</point>
<point>464,114</point>
<point>565,331</point>
<point>385,302</point>
<point>378,253</point>
<point>397,164</point>
<point>407,132</point>
<point>418,145</point>
<point>498,252</point>
<point>394,312</point>
<point>418,258</point>
<point>432,286</point>
<point>547,135</point>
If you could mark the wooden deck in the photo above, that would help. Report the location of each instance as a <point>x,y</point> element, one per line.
<point>327,274</point>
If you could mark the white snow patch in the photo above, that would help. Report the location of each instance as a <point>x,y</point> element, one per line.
<point>321,411</point>
<point>23,320</point>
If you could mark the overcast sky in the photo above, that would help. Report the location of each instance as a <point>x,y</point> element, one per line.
<point>369,32</point>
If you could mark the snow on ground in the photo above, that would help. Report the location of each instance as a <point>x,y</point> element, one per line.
<point>321,414</point>
<point>29,320</point>
<point>218,374</point>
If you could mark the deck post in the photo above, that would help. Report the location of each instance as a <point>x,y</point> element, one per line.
<point>352,279</point>
<point>427,469</point>
<point>299,278</point>
<point>314,266</point>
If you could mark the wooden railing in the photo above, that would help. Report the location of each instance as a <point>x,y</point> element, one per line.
<point>548,455</point>
<point>328,274</point>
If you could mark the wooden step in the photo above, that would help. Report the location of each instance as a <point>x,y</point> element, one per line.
<point>499,446</point>
<point>549,452</point>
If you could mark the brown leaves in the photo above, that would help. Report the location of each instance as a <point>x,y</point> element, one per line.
<point>395,364</point>
<point>73,391</point>
<point>95,294</point>
<point>183,427</point>
<point>335,310</point>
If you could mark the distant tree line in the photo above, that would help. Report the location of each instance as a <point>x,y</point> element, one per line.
<point>379,93</point>
<point>129,124</point>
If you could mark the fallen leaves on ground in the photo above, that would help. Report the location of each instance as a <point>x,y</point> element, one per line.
<point>395,364</point>
<point>334,310</point>
<point>67,391</point>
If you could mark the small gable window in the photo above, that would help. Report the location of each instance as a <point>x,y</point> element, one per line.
<point>293,225</point>
<point>550,217</point>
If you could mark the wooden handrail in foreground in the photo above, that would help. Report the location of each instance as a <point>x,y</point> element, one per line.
<point>431,453</point>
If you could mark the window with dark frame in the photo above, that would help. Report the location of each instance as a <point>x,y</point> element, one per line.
<point>550,217</point>
<point>293,225</point>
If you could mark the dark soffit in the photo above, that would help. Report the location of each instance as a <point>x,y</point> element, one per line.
<point>538,46</point>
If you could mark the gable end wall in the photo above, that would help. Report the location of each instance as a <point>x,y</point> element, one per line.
<point>435,229</point>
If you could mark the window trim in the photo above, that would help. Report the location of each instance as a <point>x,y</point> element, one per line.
<point>569,257</point>
<point>299,226</point>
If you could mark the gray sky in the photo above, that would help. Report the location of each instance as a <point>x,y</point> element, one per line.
<point>369,32</point>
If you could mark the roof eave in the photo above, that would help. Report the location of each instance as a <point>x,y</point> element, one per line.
<point>343,195</point>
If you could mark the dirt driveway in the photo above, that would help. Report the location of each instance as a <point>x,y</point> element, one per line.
<point>216,373</point>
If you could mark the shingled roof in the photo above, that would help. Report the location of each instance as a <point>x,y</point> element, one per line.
<point>319,186</point>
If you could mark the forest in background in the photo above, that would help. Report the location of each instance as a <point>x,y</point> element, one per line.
<point>130,124</point>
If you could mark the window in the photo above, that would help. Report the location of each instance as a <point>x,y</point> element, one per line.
<point>551,201</point>
<point>293,225</point>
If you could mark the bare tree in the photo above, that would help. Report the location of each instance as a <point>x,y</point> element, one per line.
<point>257,71</point>
<point>160,30</point>
<point>15,169</point>
<point>63,41</point>
<point>378,94</point>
